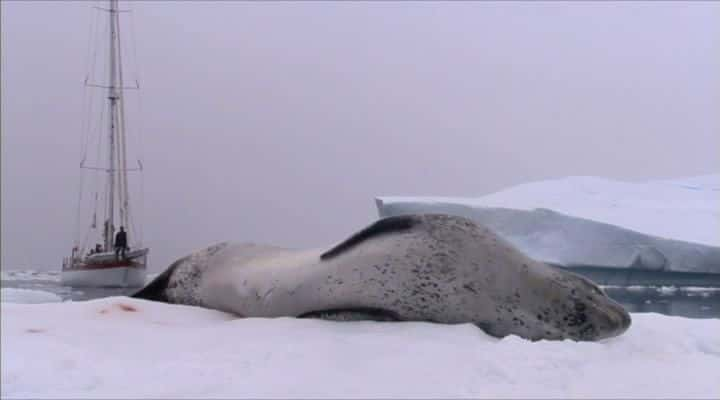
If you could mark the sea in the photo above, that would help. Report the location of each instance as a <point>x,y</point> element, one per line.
<point>690,302</point>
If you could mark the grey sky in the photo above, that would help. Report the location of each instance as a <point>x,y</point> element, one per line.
<point>279,122</point>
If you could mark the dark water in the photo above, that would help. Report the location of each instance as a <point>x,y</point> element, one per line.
<point>691,302</point>
<point>684,302</point>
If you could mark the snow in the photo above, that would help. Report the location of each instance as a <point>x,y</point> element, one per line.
<point>685,209</point>
<point>27,296</point>
<point>128,348</point>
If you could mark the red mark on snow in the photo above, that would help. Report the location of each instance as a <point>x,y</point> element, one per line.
<point>121,306</point>
<point>126,307</point>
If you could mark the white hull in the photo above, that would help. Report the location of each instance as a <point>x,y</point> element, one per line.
<point>105,277</point>
<point>106,270</point>
<point>107,258</point>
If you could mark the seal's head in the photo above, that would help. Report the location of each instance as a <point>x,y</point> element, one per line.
<point>506,292</point>
<point>578,309</point>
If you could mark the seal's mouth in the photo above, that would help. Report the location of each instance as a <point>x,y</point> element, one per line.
<point>601,318</point>
<point>617,320</point>
<point>592,314</point>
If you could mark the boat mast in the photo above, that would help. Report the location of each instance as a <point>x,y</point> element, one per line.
<point>123,195</point>
<point>113,96</point>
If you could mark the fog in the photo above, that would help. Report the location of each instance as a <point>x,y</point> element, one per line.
<point>279,122</point>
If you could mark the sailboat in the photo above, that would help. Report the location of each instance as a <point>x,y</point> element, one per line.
<point>104,262</point>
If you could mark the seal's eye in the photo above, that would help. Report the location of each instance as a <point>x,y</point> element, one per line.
<point>593,287</point>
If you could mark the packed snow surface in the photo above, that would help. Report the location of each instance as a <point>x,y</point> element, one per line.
<point>28,296</point>
<point>127,348</point>
<point>685,209</point>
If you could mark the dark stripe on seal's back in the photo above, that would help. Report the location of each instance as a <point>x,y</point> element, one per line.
<point>385,225</point>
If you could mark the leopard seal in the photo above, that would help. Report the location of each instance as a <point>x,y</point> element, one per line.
<point>426,267</point>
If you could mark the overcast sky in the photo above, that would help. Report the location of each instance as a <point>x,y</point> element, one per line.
<point>279,122</point>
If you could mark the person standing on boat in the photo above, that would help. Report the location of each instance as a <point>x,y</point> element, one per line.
<point>120,243</point>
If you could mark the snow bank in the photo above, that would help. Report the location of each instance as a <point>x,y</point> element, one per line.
<point>122,347</point>
<point>28,296</point>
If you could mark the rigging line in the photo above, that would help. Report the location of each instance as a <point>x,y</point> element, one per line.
<point>107,170</point>
<point>104,113</point>
<point>88,99</point>
<point>95,85</point>
<point>92,67</point>
<point>102,106</point>
<point>83,133</point>
<point>88,51</point>
<point>76,234</point>
<point>86,118</point>
<point>94,224</point>
<point>85,241</point>
<point>85,238</point>
<point>139,127</point>
<point>126,129</point>
<point>109,10</point>
<point>101,120</point>
<point>86,124</point>
<point>94,131</point>
<point>125,200</point>
<point>113,149</point>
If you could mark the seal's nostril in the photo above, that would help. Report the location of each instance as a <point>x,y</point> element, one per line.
<point>621,319</point>
<point>626,321</point>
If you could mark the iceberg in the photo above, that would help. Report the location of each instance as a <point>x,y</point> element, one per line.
<point>657,232</point>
